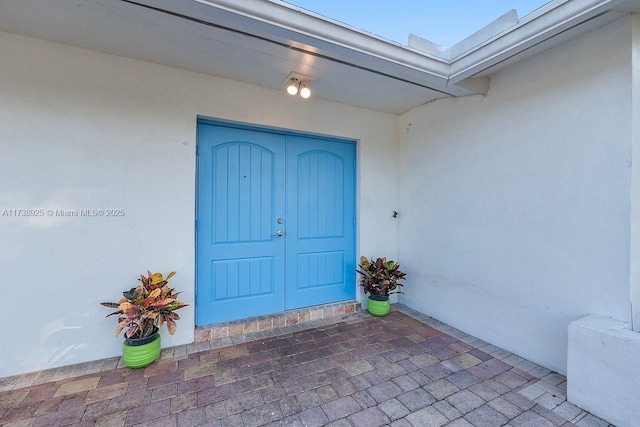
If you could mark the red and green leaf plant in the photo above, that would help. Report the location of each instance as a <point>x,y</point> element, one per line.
<point>145,308</point>
<point>380,277</point>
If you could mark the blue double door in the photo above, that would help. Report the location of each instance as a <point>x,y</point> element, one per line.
<point>275,222</point>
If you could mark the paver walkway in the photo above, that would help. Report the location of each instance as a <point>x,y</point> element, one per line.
<point>405,369</point>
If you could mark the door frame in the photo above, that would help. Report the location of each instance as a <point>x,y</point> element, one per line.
<point>277,131</point>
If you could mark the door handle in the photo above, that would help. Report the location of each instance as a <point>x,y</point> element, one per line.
<point>278,234</point>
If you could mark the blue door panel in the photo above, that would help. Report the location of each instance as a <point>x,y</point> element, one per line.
<point>321,193</point>
<point>253,184</point>
<point>242,277</point>
<point>243,185</point>
<point>320,269</point>
<point>321,215</point>
<point>240,267</point>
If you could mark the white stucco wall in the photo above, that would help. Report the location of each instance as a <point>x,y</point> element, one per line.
<point>85,130</point>
<point>635,174</point>
<point>515,206</point>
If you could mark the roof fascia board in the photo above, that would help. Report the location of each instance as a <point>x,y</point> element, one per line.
<point>545,23</point>
<point>429,47</point>
<point>301,30</point>
<point>301,21</point>
<point>500,25</point>
<point>545,8</point>
<point>505,37</point>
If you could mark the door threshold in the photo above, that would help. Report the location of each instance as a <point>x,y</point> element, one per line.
<point>276,320</point>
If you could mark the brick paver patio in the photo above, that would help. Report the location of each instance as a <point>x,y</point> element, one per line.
<point>405,369</point>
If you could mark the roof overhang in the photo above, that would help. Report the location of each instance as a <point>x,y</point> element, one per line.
<point>261,41</point>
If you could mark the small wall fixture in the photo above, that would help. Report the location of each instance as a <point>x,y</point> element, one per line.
<point>299,84</point>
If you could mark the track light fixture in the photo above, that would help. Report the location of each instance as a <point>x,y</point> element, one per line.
<point>299,84</point>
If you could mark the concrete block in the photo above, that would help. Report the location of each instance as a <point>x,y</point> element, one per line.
<point>603,369</point>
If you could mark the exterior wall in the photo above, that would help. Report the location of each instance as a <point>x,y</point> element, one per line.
<point>515,206</point>
<point>85,130</point>
<point>635,173</point>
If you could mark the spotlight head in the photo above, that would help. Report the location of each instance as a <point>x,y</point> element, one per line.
<point>305,92</point>
<point>292,87</point>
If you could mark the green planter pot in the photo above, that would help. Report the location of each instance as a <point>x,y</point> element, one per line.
<point>138,353</point>
<point>378,305</point>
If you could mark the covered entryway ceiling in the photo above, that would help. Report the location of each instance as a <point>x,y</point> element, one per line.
<point>261,41</point>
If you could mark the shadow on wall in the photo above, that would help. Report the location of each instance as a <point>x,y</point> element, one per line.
<point>65,335</point>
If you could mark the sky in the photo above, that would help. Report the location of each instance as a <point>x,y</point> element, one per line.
<point>445,22</point>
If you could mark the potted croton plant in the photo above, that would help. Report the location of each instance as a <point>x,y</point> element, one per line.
<point>379,279</point>
<point>142,311</point>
